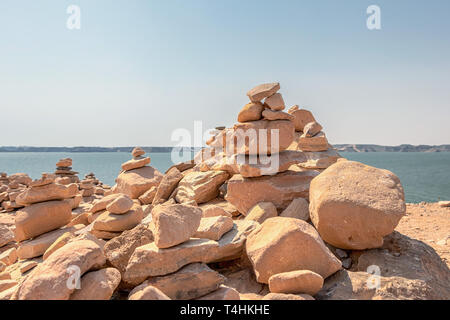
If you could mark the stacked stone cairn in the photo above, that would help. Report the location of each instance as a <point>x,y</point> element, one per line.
<point>64,173</point>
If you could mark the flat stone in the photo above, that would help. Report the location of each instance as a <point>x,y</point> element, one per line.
<point>262,91</point>
<point>275,102</point>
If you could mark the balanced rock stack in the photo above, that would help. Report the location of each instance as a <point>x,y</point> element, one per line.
<point>87,188</point>
<point>47,208</point>
<point>64,172</point>
<point>9,193</point>
<point>137,176</point>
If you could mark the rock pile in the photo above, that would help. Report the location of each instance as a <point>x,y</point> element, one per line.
<point>64,172</point>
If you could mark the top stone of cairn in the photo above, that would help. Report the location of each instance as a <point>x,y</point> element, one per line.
<point>67,162</point>
<point>138,151</point>
<point>263,91</point>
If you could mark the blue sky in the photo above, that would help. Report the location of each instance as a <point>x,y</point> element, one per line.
<point>137,70</point>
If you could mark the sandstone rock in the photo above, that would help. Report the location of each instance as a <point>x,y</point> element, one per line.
<point>269,114</point>
<point>6,284</point>
<point>211,210</point>
<point>263,91</point>
<point>287,244</point>
<point>60,242</point>
<point>5,275</point>
<point>66,162</point>
<point>262,211</point>
<point>79,219</point>
<point>279,189</point>
<point>111,222</point>
<point>120,205</point>
<point>317,143</point>
<point>214,227</point>
<point>2,266</point>
<point>37,246</point>
<point>223,293</point>
<point>119,250</point>
<point>27,266</point>
<point>46,193</point>
<point>136,182</point>
<point>105,235</point>
<point>444,204</point>
<point>251,112</point>
<point>274,102</point>
<point>175,224</point>
<point>135,163</point>
<point>42,217</point>
<point>97,285</point>
<point>190,282</point>
<point>137,152</point>
<point>6,235</point>
<point>48,281</point>
<point>148,196</point>
<point>298,208</point>
<point>283,296</point>
<point>168,183</point>
<point>353,206</point>
<point>20,178</point>
<point>147,292</point>
<point>46,179</point>
<point>200,186</point>
<point>9,256</point>
<point>300,281</point>
<point>301,117</point>
<point>311,129</point>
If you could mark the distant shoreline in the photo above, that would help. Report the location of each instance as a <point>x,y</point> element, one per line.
<point>339,147</point>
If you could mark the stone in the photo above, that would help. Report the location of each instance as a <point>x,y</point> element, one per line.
<point>147,292</point>
<point>20,178</point>
<point>119,250</point>
<point>5,275</point>
<point>251,112</point>
<point>311,129</point>
<point>101,204</point>
<point>37,247</point>
<point>283,296</point>
<point>301,117</point>
<point>9,256</point>
<point>262,91</point>
<point>6,235</point>
<point>298,209</point>
<point>280,189</point>
<point>6,284</point>
<point>60,242</point>
<point>27,266</point>
<point>40,218</point>
<point>200,186</point>
<point>136,163</point>
<point>120,205</point>
<point>262,211</point>
<point>46,179</point>
<point>190,282</point>
<point>214,227</point>
<point>45,193</point>
<point>48,281</point>
<point>111,222</point>
<point>353,206</point>
<point>105,235</point>
<point>444,204</point>
<point>313,144</point>
<point>299,281</point>
<point>137,152</point>
<point>148,196</point>
<point>7,294</point>
<point>269,114</point>
<point>2,266</point>
<point>288,244</point>
<point>275,102</point>
<point>174,224</point>
<point>135,183</point>
<point>211,210</point>
<point>97,285</point>
<point>168,183</point>
<point>223,293</point>
<point>66,162</point>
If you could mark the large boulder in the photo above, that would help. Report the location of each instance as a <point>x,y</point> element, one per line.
<point>135,182</point>
<point>167,185</point>
<point>279,189</point>
<point>42,217</point>
<point>288,244</point>
<point>200,186</point>
<point>353,206</point>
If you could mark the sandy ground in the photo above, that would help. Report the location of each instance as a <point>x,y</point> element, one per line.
<point>430,223</point>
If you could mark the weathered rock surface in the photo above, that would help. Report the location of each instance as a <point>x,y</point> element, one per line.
<point>261,212</point>
<point>300,281</point>
<point>274,102</point>
<point>251,112</point>
<point>301,117</point>
<point>135,182</point>
<point>283,296</point>
<point>111,222</point>
<point>135,163</point>
<point>298,208</point>
<point>263,91</point>
<point>147,292</point>
<point>223,293</point>
<point>200,186</point>
<point>167,185</point>
<point>6,235</point>
<point>214,227</point>
<point>47,192</point>
<point>120,205</point>
<point>97,285</point>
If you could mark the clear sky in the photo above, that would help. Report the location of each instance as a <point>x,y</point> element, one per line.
<point>137,70</point>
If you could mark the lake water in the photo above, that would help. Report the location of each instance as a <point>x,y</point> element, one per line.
<point>425,176</point>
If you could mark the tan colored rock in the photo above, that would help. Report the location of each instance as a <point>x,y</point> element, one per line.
<point>214,227</point>
<point>444,204</point>
<point>262,211</point>
<point>105,235</point>
<point>5,275</point>
<point>279,189</point>
<point>6,235</point>
<point>9,256</point>
<point>42,217</point>
<point>223,293</point>
<point>298,209</point>
<point>46,193</point>
<point>287,244</point>
<point>262,91</point>
<point>147,292</point>
<point>47,178</point>
<point>60,242</point>
<point>120,205</point>
<point>27,266</point>
<point>317,143</point>
<point>175,224</point>
<point>311,129</point>
<point>200,186</point>
<point>251,112</point>
<point>190,282</point>
<point>275,102</point>
<point>36,247</point>
<point>300,281</point>
<point>2,266</point>
<point>135,163</point>
<point>6,284</point>
<point>111,222</point>
<point>269,114</point>
<point>135,183</point>
<point>137,152</point>
<point>301,117</point>
<point>66,162</point>
<point>283,296</point>
<point>48,281</point>
<point>353,206</point>
<point>79,219</point>
<point>7,294</point>
<point>168,183</point>
<point>97,285</point>
<point>148,196</point>
<point>101,204</point>
<point>212,210</point>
